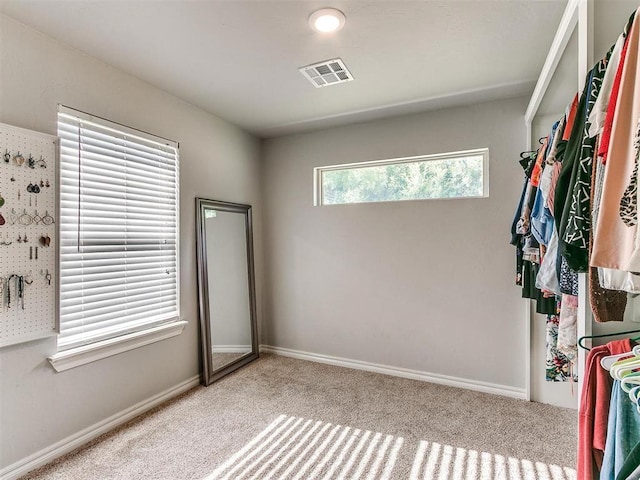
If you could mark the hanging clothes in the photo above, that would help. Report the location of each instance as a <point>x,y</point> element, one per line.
<point>613,101</point>
<point>559,367</point>
<point>623,433</point>
<point>614,243</point>
<point>631,467</point>
<point>568,327</point>
<point>607,305</point>
<point>593,411</point>
<point>527,248</point>
<point>576,217</point>
<point>599,112</point>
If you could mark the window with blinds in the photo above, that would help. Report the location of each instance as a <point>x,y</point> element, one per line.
<point>118,224</point>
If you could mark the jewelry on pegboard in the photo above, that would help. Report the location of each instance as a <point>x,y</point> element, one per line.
<point>47,219</point>
<point>25,219</point>
<point>47,275</point>
<point>18,159</point>
<point>24,234</point>
<point>20,295</point>
<point>2,220</point>
<point>1,201</point>
<point>9,290</point>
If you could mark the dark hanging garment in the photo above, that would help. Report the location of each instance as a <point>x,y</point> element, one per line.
<point>568,176</point>
<point>576,219</point>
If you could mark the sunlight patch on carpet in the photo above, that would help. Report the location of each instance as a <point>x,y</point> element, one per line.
<point>295,448</point>
<point>434,461</point>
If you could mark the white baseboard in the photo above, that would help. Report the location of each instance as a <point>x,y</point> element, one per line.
<point>485,387</point>
<point>231,349</point>
<point>76,440</point>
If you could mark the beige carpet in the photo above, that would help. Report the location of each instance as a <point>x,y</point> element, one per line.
<point>286,418</point>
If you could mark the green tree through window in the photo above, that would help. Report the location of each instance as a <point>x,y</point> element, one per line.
<point>453,177</point>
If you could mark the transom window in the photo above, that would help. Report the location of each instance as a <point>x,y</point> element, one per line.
<point>446,175</point>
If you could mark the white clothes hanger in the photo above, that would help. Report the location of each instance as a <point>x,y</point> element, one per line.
<point>629,382</point>
<point>609,360</point>
<point>622,368</point>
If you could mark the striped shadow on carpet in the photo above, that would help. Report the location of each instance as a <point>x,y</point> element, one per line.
<point>294,448</point>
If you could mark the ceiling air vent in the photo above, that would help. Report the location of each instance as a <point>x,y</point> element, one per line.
<point>329,72</point>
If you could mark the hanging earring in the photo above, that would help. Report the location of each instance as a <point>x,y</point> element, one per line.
<point>47,219</point>
<point>7,156</point>
<point>41,183</point>
<point>19,159</point>
<point>2,220</point>
<point>47,183</point>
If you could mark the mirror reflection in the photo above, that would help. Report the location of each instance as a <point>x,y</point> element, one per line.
<point>230,314</point>
<point>226,287</point>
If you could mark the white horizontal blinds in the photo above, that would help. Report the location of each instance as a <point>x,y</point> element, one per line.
<point>118,230</point>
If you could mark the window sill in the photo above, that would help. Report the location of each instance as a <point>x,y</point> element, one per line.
<point>75,357</point>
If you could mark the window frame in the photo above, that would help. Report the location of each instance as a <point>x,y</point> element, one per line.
<point>318,172</point>
<point>75,355</point>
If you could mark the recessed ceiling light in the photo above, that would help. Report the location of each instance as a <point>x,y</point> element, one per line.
<point>327,20</point>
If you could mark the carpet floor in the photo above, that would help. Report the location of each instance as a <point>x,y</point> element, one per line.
<point>284,418</point>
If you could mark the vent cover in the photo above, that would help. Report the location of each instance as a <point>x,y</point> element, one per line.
<point>329,72</point>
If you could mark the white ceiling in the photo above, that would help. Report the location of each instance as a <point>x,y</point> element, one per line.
<point>238,59</point>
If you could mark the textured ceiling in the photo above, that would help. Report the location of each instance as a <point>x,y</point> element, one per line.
<point>238,59</point>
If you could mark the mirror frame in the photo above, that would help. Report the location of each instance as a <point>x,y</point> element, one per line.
<point>210,375</point>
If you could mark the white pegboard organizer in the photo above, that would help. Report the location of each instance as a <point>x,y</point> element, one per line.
<point>38,319</point>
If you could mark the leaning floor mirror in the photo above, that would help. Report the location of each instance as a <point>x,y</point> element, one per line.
<point>226,287</point>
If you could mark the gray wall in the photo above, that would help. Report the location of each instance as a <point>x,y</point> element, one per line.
<point>39,407</point>
<point>425,285</point>
<point>228,280</point>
